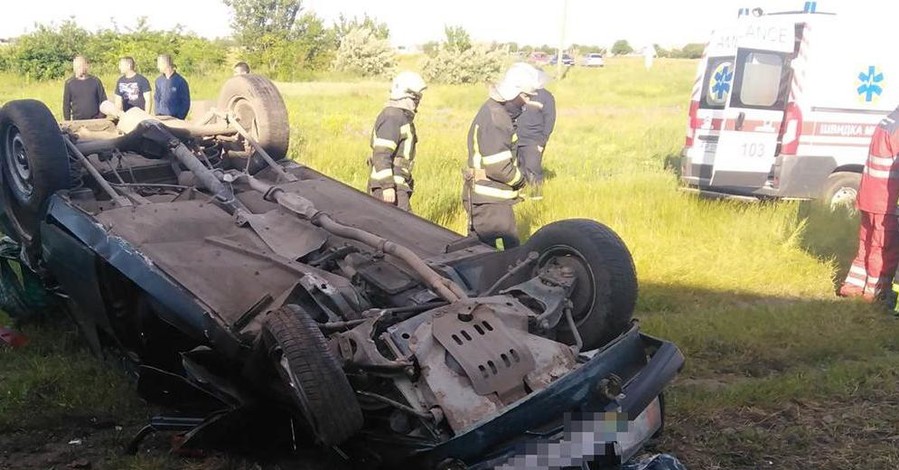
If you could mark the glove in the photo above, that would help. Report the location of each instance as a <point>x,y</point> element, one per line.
<point>389,195</point>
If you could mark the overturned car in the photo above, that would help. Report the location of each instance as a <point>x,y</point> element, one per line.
<point>236,280</point>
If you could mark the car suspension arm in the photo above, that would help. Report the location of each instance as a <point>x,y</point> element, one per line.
<point>116,197</point>
<point>445,288</point>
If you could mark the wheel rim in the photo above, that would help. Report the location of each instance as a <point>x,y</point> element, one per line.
<point>844,198</point>
<point>243,111</point>
<point>583,294</point>
<point>17,162</point>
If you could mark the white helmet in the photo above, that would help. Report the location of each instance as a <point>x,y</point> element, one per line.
<point>520,78</point>
<point>407,85</point>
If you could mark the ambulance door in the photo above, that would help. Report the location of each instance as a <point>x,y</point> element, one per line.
<point>748,142</point>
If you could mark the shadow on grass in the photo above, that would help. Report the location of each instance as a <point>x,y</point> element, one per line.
<point>672,163</point>
<point>829,235</point>
<point>756,364</point>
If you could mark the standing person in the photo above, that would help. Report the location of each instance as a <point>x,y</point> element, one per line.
<point>649,53</point>
<point>172,93</point>
<point>241,68</point>
<point>534,128</point>
<point>393,142</point>
<point>493,179</point>
<point>878,246</point>
<point>83,93</point>
<point>132,90</point>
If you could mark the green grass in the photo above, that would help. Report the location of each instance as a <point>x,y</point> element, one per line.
<point>778,369</point>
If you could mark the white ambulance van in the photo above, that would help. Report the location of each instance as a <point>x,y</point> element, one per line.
<point>784,105</point>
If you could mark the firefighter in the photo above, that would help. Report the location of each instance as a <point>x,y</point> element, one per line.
<point>534,128</point>
<point>872,270</point>
<point>393,141</point>
<point>492,179</point>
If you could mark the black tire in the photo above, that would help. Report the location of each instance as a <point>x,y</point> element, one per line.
<point>605,292</point>
<point>300,354</point>
<point>260,109</point>
<point>35,164</point>
<point>841,190</point>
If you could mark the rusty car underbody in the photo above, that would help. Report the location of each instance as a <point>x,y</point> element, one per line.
<point>238,280</point>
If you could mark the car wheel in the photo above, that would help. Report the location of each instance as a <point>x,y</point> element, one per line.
<point>35,164</point>
<point>841,191</point>
<point>259,108</point>
<point>313,375</point>
<point>605,290</point>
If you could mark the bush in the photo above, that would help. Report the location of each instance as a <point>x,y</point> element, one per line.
<point>363,53</point>
<point>622,47</point>
<point>458,60</point>
<point>478,64</point>
<point>47,52</point>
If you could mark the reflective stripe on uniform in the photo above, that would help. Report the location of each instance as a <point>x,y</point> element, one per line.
<point>381,175</point>
<point>497,158</point>
<point>399,180</point>
<point>855,269</point>
<point>881,174</point>
<point>517,179</point>
<point>406,132</point>
<point>884,161</point>
<point>495,192</point>
<point>383,143</point>
<point>854,281</point>
<point>476,158</point>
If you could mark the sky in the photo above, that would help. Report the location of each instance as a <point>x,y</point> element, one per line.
<point>535,22</point>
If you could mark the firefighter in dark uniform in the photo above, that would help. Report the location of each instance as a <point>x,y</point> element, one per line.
<point>393,141</point>
<point>493,178</point>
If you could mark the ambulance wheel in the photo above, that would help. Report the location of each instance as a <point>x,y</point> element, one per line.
<point>35,164</point>
<point>259,108</point>
<point>841,190</point>
<point>605,289</point>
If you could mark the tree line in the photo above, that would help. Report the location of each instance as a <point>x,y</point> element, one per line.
<point>279,38</point>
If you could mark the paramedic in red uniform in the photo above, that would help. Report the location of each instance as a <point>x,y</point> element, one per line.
<point>872,271</point>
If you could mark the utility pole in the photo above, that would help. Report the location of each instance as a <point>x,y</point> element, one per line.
<point>562,39</point>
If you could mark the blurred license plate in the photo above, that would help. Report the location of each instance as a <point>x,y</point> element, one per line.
<point>590,437</point>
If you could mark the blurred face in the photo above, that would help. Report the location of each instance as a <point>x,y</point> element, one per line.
<point>124,66</point>
<point>238,71</point>
<point>162,65</point>
<point>79,66</point>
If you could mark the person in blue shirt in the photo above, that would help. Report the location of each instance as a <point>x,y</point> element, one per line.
<point>172,93</point>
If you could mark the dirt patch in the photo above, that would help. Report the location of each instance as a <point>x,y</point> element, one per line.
<point>798,435</point>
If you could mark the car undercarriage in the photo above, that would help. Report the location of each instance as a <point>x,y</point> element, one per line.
<point>235,279</point>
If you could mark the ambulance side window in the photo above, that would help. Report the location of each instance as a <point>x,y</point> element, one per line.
<point>760,80</point>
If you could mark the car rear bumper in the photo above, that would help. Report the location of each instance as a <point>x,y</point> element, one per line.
<point>574,408</point>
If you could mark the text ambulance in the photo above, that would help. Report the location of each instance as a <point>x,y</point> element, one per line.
<point>784,105</point>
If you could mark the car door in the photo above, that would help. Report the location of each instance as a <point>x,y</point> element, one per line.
<point>752,117</point>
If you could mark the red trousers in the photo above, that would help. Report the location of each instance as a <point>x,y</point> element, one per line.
<point>872,271</point>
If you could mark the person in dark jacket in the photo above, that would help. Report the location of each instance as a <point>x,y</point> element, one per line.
<point>83,93</point>
<point>172,93</point>
<point>393,142</point>
<point>534,128</point>
<point>493,178</point>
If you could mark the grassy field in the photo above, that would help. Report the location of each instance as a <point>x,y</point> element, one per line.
<point>780,373</point>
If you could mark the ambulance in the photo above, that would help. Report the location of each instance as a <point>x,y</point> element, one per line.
<point>784,106</point>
